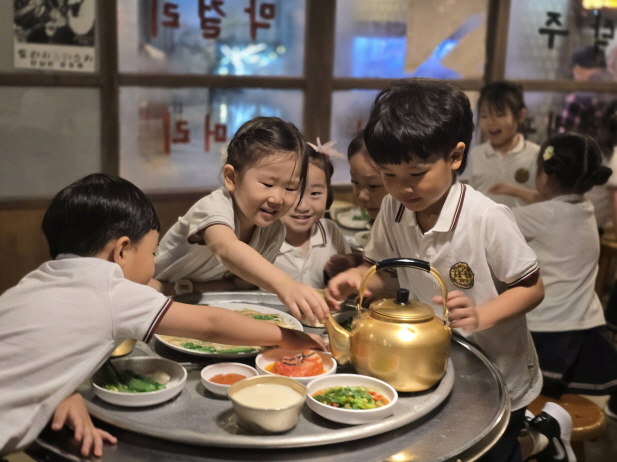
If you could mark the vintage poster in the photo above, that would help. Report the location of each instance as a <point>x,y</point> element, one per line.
<point>56,35</point>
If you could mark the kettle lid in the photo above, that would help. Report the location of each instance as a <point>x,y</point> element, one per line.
<point>400,309</point>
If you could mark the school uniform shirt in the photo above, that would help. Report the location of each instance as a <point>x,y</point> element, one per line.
<point>326,240</point>
<point>57,327</point>
<point>183,254</point>
<point>477,248</point>
<point>599,195</point>
<point>517,167</point>
<point>563,233</point>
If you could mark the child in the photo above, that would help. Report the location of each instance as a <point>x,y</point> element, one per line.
<point>63,320</point>
<point>310,239</point>
<point>237,227</point>
<point>507,157</point>
<point>568,327</point>
<point>418,133</point>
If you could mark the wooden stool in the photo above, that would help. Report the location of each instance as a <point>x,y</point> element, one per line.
<point>606,263</point>
<point>588,420</point>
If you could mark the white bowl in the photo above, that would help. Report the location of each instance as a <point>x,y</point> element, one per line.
<point>224,368</point>
<point>145,365</point>
<point>351,416</point>
<point>361,238</point>
<point>266,358</point>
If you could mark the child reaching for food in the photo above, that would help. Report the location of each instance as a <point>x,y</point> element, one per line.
<point>507,157</point>
<point>568,327</point>
<point>233,235</point>
<point>310,239</point>
<point>64,319</point>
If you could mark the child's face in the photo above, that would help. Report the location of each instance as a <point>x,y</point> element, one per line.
<point>422,185</point>
<point>500,126</point>
<point>138,258</point>
<point>368,187</point>
<point>265,191</point>
<point>313,203</point>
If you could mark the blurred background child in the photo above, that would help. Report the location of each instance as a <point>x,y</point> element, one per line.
<point>568,327</point>
<point>506,157</point>
<point>310,239</point>
<point>234,234</point>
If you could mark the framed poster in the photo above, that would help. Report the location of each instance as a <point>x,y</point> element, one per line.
<point>56,35</point>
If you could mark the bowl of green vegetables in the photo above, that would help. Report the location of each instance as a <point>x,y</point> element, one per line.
<point>138,381</point>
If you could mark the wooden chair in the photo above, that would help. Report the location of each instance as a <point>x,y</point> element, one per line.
<point>588,420</point>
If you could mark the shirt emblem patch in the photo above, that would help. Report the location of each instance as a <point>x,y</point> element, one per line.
<point>521,175</point>
<point>461,275</point>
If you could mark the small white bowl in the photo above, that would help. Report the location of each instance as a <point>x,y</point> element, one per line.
<point>144,365</point>
<point>361,238</point>
<point>351,416</point>
<point>224,368</point>
<point>263,360</point>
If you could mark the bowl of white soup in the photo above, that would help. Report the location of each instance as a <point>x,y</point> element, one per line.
<point>267,404</point>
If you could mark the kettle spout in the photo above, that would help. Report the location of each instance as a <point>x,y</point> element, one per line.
<point>339,340</point>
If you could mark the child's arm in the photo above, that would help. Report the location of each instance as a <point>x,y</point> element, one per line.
<point>72,412</point>
<point>528,195</point>
<point>245,262</point>
<point>344,284</point>
<point>339,263</point>
<point>515,301</point>
<point>218,325</point>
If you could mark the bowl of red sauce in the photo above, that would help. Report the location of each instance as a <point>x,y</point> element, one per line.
<point>217,378</point>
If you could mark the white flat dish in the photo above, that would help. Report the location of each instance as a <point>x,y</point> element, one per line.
<point>236,306</point>
<point>265,359</point>
<point>145,365</point>
<point>346,219</point>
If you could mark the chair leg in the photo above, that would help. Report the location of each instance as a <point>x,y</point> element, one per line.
<point>578,447</point>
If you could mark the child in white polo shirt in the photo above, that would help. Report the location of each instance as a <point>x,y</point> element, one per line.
<point>310,239</point>
<point>64,319</point>
<point>506,157</point>
<point>568,327</point>
<point>418,133</point>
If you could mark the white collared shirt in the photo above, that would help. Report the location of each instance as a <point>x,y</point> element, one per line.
<point>563,233</point>
<point>518,167</point>
<point>472,235</point>
<point>326,240</point>
<point>182,253</point>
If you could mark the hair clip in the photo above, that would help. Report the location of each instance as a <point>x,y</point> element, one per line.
<point>327,149</point>
<point>548,153</point>
<point>223,158</point>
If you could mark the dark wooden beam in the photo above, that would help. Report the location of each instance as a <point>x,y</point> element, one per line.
<point>211,81</point>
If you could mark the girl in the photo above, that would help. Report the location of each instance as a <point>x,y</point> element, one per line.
<point>311,240</point>
<point>237,227</point>
<point>568,327</point>
<point>507,157</point>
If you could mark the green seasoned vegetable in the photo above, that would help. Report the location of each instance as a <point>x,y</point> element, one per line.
<point>363,215</point>
<point>211,349</point>
<point>110,378</point>
<point>267,317</point>
<point>351,398</point>
<point>347,324</point>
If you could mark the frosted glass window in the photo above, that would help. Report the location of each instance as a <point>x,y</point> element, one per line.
<point>49,137</point>
<point>544,34</point>
<point>213,37</point>
<point>172,139</point>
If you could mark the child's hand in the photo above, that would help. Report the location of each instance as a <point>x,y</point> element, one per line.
<point>339,263</point>
<point>304,300</point>
<point>501,188</point>
<point>72,412</point>
<point>298,340</point>
<point>342,286</point>
<point>463,312</point>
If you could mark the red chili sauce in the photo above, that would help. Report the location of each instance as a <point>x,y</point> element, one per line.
<point>227,379</point>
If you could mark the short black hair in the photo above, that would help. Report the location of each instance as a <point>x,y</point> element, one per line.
<point>503,95</point>
<point>323,162</point>
<point>356,146</point>
<point>418,118</point>
<point>607,131</point>
<point>264,136</point>
<point>86,215</point>
<point>575,161</point>
<point>589,57</point>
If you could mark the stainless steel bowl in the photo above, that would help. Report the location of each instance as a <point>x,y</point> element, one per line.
<point>262,421</point>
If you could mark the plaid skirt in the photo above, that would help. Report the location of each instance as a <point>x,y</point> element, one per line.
<point>578,361</point>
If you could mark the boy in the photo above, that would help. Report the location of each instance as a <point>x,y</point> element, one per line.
<point>63,320</point>
<point>418,133</point>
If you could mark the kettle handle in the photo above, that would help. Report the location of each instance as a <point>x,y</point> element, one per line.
<point>406,263</point>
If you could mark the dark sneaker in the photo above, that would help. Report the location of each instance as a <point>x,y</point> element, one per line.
<point>555,423</point>
<point>611,407</point>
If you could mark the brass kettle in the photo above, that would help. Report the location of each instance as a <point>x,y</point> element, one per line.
<point>398,341</point>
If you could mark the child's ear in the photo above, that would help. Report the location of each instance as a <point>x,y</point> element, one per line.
<point>522,115</point>
<point>119,252</point>
<point>456,156</point>
<point>230,177</point>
